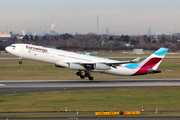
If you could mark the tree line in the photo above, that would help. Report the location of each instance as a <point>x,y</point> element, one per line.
<point>99,42</point>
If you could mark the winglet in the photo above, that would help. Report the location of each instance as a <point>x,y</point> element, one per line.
<point>135,60</point>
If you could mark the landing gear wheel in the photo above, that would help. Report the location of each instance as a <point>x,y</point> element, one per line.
<point>91,78</point>
<point>78,74</point>
<point>87,74</point>
<point>20,62</point>
<point>82,76</point>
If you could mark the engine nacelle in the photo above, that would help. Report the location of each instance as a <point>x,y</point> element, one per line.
<point>58,66</point>
<point>101,66</point>
<point>75,66</point>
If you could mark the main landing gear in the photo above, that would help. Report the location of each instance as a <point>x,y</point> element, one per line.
<point>87,74</point>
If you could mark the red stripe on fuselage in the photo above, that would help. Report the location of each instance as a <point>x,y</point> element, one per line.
<point>150,64</point>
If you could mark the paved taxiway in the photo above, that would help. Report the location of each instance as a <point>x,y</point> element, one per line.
<point>98,118</point>
<point>25,86</point>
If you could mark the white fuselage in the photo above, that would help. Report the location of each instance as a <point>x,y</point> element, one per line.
<point>63,58</point>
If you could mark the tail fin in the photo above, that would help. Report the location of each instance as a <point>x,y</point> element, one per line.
<point>152,62</point>
<point>88,54</point>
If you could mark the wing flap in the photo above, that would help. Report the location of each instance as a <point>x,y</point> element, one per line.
<point>114,64</point>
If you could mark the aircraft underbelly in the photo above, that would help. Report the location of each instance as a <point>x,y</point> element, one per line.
<point>121,71</point>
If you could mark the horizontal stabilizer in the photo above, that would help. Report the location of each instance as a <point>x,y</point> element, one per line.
<point>157,71</point>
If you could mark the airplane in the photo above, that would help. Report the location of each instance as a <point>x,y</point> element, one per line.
<point>87,63</point>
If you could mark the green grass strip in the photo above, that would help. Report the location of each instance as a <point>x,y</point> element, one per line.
<point>33,70</point>
<point>117,99</point>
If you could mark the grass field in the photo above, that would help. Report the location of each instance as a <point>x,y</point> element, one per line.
<point>115,99</point>
<point>33,70</point>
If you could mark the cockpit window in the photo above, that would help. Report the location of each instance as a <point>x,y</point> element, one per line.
<point>13,46</point>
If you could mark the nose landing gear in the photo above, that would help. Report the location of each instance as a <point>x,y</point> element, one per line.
<point>20,61</point>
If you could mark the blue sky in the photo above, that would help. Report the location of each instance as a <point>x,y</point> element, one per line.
<point>128,17</point>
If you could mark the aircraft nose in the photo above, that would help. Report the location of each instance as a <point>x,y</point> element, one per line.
<point>7,49</point>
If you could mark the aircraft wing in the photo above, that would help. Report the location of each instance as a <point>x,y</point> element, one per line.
<point>114,64</point>
<point>124,62</point>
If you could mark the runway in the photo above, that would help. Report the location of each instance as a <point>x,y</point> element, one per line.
<point>26,86</point>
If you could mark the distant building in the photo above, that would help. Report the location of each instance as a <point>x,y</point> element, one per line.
<point>53,32</point>
<point>138,51</point>
<point>23,32</point>
<point>156,33</point>
<point>107,31</point>
<point>44,32</point>
<point>149,32</point>
<point>5,35</point>
<point>6,32</point>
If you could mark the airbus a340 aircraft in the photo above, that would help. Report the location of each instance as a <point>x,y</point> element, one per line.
<point>87,63</point>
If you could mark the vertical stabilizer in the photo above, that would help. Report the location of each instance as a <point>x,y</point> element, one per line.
<point>152,62</point>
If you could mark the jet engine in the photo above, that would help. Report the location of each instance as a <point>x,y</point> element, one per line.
<point>75,66</point>
<point>101,66</point>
